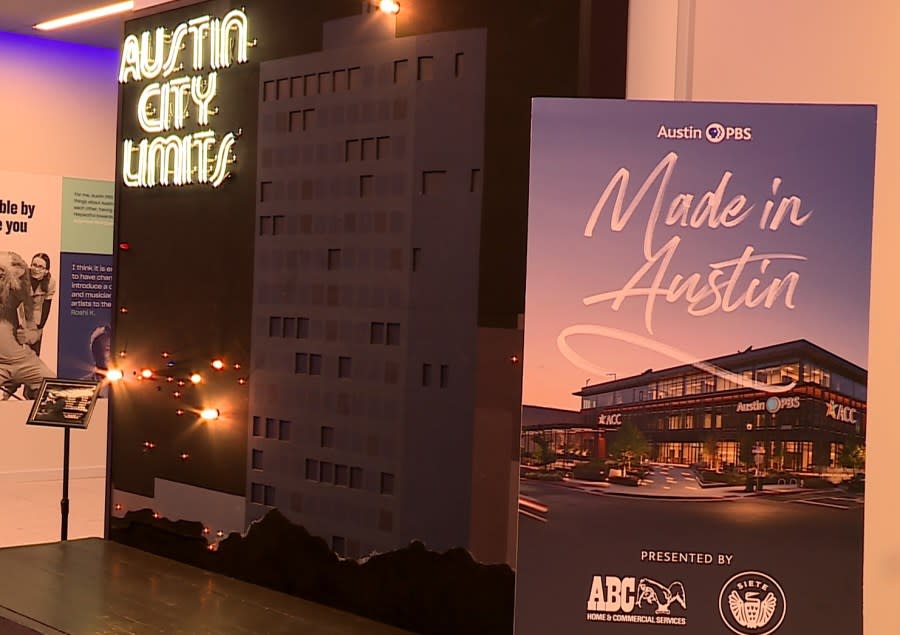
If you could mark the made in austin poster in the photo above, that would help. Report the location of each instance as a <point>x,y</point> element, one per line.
<point>695,368</point>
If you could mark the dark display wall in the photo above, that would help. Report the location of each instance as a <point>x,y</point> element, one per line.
<point>367,311</point>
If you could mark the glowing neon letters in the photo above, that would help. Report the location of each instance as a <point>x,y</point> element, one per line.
<point>175,156</point>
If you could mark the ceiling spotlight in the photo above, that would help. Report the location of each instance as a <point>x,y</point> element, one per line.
<point>218,364</point>
<point>210,414</point>
<point>146,373</point>
<point>389,6</point>
<point>196,378</point>
<point>114,374</point>
<point>85,16</point>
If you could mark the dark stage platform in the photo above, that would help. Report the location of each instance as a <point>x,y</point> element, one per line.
<point>93,586</point>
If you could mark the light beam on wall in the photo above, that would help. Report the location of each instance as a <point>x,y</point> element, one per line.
<point>85,16</point>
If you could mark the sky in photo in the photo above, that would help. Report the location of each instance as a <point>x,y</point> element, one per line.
<point>818,159</point>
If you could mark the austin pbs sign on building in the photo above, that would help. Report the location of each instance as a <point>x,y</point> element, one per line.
<point>689,255</point>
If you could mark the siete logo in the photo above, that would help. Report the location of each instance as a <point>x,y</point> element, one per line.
<point>752,603</point>
<point>716,132</point>
<point>635,600</point>
<point>770,405</point>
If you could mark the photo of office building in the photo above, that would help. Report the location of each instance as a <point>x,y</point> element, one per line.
<point>691,417</point>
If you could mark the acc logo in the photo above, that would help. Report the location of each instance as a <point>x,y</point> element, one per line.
<point>752,603</point>
<point>717,133</point>
<point>614,419</point>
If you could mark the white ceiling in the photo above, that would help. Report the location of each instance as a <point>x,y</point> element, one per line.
<point>18,16</point>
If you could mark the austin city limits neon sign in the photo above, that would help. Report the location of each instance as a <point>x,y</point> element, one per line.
<point>172,157</point>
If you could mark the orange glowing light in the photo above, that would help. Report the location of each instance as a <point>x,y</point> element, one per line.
<point>210,414</point>
<point>196,378</point>
<point>114,374</point>
<point>218,364</point>
<point>146,373</point>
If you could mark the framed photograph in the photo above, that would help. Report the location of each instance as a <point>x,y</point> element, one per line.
<point>65,403</point>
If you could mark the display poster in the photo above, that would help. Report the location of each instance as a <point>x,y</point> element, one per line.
<point>56,267</point>
<point>695,368</point>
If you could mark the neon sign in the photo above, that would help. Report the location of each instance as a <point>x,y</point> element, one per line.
<point>175,156</point>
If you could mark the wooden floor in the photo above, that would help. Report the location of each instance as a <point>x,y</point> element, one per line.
<point>95,587</point>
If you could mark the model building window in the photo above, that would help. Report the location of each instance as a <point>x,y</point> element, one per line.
<point>368,149</point>
<point>393,334</point>
<point>426,68</point>
<point>416,258</point>
<point>274,326</point>
<point>297,86</point>
<point>257,427</point>
<point>289,327</point>
<point>340,81</point>
<point>356,477</point>
<point>315,364</point>
<point>257,493</point>
<point>376,333</point>
<point>345,367</point>
<point>265,225</point>
<point>354,78</point>
<point>269,496</point>
<point>458,65</point>
<point>302,327</point>
<point>326,472</point>
<point>326,83</point>
<point>366,185</point>
<point>271,428</point>
<point>284,430</point>
<point>256,459</point>
<point>434,182</point>
<point>382,148</point>
<point>277,225</point>
<point>334,259</point>
<point>311,85</point>
<point>351,150</point>
<point>401,71</point>
<point>445,375</point>
<point>387,484</point>
<point>475,181</point>
<point>301,363</point>
<point>284,88</point>
<point>341,475</point>
<point>269,91</point>
<point>327,437</point>
<point>312,470</point>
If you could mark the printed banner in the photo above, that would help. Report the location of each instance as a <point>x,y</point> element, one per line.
<point>696,328</point>
<point>55,273</point>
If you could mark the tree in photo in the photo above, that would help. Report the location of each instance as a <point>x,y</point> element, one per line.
<point>853,456</point>
<point>711,450</point>
<point>544,454</point>
<point>629,444</point>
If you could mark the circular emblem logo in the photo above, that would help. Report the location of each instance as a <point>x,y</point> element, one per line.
<point>773,404</point>
<point>752,603</point>
<point>715,133</point>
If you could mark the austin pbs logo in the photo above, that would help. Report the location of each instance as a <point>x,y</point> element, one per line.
<point>717,133</point>
<point>752,603</point>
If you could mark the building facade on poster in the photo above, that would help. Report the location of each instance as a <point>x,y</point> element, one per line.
<point>392,133</point>
<point>165,106</point>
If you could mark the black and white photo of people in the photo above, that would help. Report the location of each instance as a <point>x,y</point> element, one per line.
<point>26,294</point>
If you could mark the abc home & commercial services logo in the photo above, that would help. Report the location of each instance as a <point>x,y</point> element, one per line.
<point>752,603</point>
<point>629,600</point>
